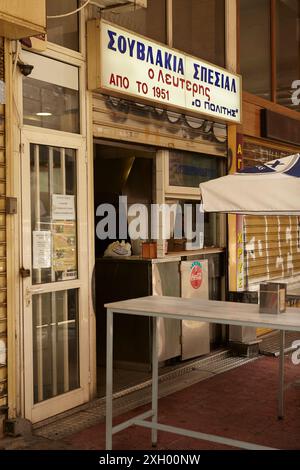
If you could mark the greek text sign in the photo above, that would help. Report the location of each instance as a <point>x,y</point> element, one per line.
<point>147,71</point>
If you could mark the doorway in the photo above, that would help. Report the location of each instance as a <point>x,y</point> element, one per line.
<point>54,285</point>
<point>127,171</point>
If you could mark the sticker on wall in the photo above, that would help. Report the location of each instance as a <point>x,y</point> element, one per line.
<point>41,249</point>
<point>196,275</point>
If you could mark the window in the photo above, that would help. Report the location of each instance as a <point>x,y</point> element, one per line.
<point>63,31</point>
<point>199,29</point>
<point>50,94</point>
<point>287,49</point>
<point>53,213</point>
<point>188,170</point>
<point>255,46</point>
<point>269,49</point>
<point>150,21</point>
<point>184,172</point>
<point>55,332</point>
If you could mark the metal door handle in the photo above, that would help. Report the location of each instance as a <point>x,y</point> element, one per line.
<point>25,272</point>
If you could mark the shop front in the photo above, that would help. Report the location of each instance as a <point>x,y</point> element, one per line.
<point>152,147</point>
<point>77,148</point>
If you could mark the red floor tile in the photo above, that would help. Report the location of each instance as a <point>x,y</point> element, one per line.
<point>240,404</point>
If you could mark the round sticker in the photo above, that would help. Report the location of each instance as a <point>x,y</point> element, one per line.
<point>196,276</point>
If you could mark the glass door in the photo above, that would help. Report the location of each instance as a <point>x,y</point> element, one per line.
<point>55,291</point>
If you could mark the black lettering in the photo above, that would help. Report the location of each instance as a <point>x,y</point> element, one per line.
<point>168,58</point>
<point>140,50</point>
<point>210,77</point>
<point>226,85</point>
<point>233,86</point>
<point>159,60</point>
<point>150,55</point>
<point>131,44</point>
<point>196,71</point>
<point>111,43</point>
<point>122,44</point>
<point>180,67</point>
<point>203,74</point>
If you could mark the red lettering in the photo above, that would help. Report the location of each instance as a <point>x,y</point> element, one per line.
<point>112,80</point>
<point>151,74</point>
<point>119,81</point>
<point>142,87</point>
<point>176,81</point>
<point>168,79</point>
<point>145,88</point>
<point>195,89</point>
<point>125,83</point>
<point>207,93</point>
<point>161,76</point>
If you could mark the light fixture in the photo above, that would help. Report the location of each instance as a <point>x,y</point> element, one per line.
<point>43,114</point>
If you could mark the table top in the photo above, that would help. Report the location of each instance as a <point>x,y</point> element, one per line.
<point>213,311</point>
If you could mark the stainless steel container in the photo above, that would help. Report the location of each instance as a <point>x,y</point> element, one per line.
<point>272,297</point>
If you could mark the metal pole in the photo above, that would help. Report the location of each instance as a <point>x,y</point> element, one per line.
<point>281,377</point>
<point>154,379</point>
<point>109,378</point>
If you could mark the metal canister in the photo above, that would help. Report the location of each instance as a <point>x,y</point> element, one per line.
<point>272,297</point>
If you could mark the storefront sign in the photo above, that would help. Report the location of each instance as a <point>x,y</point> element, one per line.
<point>239,151</point>
<point>41,241</point>
<point>130,65</point>
<point>63,207</point>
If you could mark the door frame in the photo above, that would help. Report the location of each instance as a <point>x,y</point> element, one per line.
<point>65,401</point>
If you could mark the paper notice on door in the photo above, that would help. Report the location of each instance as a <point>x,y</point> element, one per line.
<point>63,207</point>
<point>64,249</point>
<point>41,242</point>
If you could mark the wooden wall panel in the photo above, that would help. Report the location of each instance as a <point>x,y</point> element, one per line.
<point>252,106</point>
<point>251,119</point>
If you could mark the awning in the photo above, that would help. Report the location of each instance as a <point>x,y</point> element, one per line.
<point>268,189</point>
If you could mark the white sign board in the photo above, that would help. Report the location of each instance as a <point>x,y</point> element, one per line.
<point>145,70</point>
<point>63,207</point>
<point>41,249</point>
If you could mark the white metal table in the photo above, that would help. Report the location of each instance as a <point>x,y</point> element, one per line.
<point>229,313</point>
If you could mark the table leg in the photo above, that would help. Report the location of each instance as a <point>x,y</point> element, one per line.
<point>109,379</point>
<point>281,377</point>
<point>154,380</point>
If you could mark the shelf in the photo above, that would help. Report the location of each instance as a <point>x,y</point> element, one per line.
<point>204,251</point>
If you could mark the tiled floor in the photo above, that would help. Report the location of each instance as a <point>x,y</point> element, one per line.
<point>239,404</point>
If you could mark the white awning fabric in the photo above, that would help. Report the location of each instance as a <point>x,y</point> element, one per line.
<point>269,189</point>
